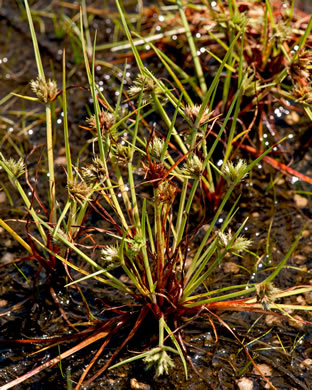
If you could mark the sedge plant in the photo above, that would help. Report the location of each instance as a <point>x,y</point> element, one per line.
<point>149,239</point>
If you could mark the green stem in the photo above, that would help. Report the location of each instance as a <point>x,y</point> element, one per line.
<point>168,123</point>
<point>50,162</point>
<point>161,333</point>
<point>159,239</point>
<point>197,64</point>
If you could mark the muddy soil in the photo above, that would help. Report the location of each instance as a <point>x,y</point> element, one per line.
<point>281,346</point>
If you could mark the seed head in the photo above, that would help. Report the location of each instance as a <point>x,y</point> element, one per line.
<point>161,359</point>
<point>123,154</point>
<point>303,94</point>
<point>299,68</point>
<point>233,172</point>
<point>283,31</point>
<point>266,294</point>
<point>156,146</point>
<point>193,111</point>
<point>110,257</point>
<point>236,21</point>
<point>167,192</point>
<point>249,85</point>
<point>193,167</point>
<point>154,171</point>
<point>17,168</point>
<point>78,191</point>
<point>95,172</point>
<point>44,90</point>
<point>106,121</point>
<point>240,244</point>
<point>135,246</point>
<point>148,85</point>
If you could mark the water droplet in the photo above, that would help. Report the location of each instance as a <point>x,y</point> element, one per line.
<point>259,166</point>
<point>10,129</point>
<point>219,163</point>
<point>174,37</point>
<point>161,18</point>
<point>290,136</point>
<point>30,131</point>
<point>59,121</point>
<point>157,28</point>
<point>213,4</point>
<point>4,59</point>
<point>220,220</point>
<point>277,112</point>
<point>198,35</point>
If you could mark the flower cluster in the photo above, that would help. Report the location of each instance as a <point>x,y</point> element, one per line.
<point>17,168</point>
<point>238,245</point>
<point>44,90</point>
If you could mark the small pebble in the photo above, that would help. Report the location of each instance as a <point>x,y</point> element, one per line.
<point>292,118</point>
<point>300,201</point>
<point>307,363</point>
<point>264,368</point>
<point>2,197</point>
<point>3,302</point>
<point>300,259</point>
<point>301,300</point>
<point>230,267</point>
<point>271,320</point>
<point>61,160</point>
<point>7,258</point>
<point>305,234</point>
<point>308,297</point>
<point>296,322</point>
<point>244,384</point>
<point>138,385</point>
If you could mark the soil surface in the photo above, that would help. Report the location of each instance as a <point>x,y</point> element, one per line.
<point>280,346</point>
